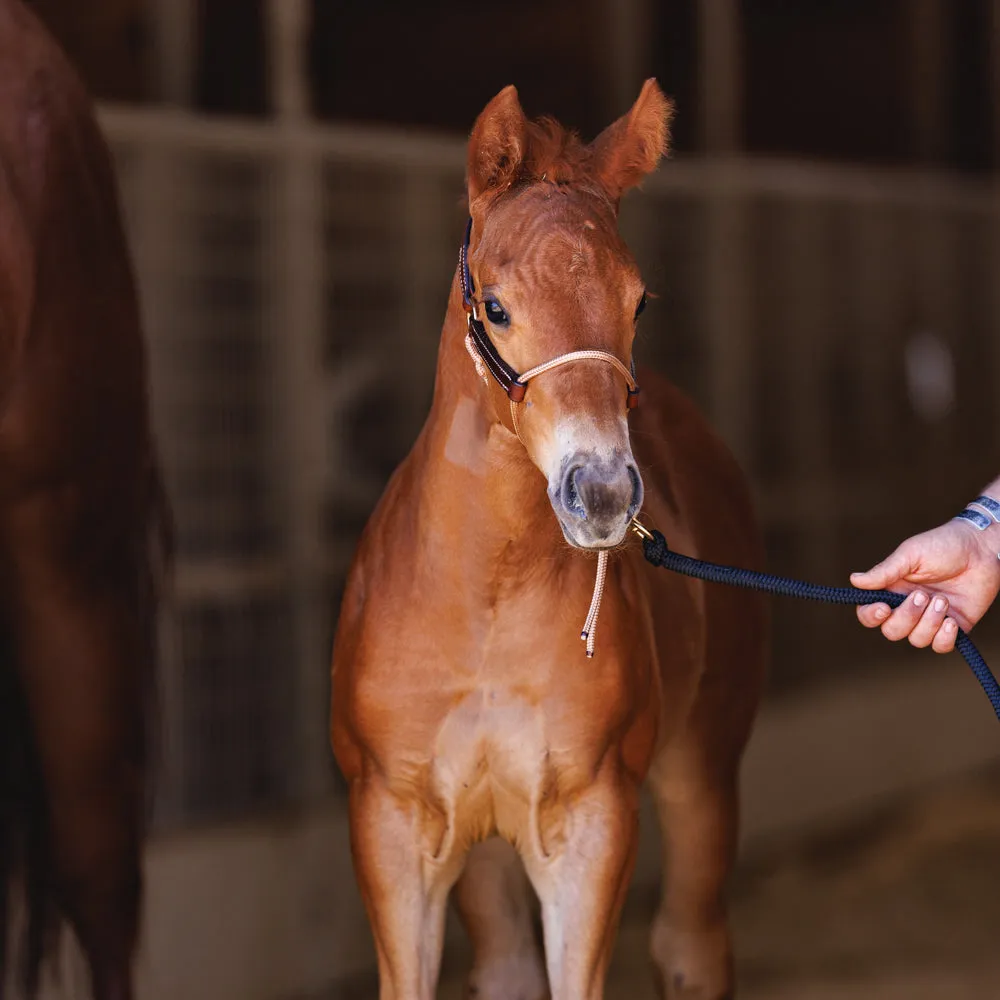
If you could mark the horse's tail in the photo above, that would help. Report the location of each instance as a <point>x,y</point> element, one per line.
<point>26,861</point>
<point>25,851</point>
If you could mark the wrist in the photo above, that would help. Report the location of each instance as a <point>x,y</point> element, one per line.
<point>990,543</point>
<point>982,517</point>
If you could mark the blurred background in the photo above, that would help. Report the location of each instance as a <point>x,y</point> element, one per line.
<point>825,249</point>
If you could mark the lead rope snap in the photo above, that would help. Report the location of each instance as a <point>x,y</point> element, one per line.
<point>589,633</point>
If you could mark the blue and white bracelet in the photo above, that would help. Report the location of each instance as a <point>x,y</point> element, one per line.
<point>981,513</point>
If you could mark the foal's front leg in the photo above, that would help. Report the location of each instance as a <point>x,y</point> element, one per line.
<point>582,886</point>
<point>405,870</point>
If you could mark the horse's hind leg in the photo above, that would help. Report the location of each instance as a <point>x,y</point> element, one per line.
<point>80,652</point>
<point>691,945</point>
<point>694,781</point>
<point>83,706</point>
<point>494,899</point>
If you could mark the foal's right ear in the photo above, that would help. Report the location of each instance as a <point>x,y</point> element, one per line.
<point>630,148</point>
<point>497,145</point>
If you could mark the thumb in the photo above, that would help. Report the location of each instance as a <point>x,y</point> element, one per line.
<point>882,575</point>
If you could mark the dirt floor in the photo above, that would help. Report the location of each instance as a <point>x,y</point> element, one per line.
<point>904,906</point>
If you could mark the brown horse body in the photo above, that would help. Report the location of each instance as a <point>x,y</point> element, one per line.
<point>464,707</point>
<point>82,517</point>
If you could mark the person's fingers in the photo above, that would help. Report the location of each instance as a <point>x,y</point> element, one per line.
<point>872,615</point>
<point>902,621</point>
<point>944,639</point>
<point>887,572</point>
<point>930,621</point>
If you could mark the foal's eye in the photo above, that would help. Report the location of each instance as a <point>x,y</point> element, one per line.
<point>495,313</point>
<point>642,305</point>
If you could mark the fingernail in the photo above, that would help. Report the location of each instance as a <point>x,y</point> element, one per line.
<point>939,604</point>
<point>949,626</point>
<point>919,599</point>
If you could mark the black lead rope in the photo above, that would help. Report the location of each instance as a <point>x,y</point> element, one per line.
<point>657,552</point>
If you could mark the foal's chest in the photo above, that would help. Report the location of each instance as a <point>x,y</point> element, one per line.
<point>493,718</point>
<point>494,735</point>
<point>523,732</point>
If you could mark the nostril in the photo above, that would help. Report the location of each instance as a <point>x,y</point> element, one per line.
<point>633,474</point>
<point>571,493</point>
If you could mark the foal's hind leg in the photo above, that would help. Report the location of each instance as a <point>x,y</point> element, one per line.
<point>80,653</point>
<point>691,945</point>
<point>694,781</point>
<point>494,899</point>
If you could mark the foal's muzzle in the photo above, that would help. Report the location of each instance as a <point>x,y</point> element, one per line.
<point>595,498</point>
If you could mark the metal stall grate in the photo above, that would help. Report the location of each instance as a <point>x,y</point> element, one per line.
<point>294,279</point>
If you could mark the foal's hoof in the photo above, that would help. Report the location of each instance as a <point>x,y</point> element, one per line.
<point>473,992</point>
<point>514,979</point>
<point>692,965</point>
<point>679,989</point>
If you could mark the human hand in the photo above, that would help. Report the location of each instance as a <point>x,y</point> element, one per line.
<point>952,576</point>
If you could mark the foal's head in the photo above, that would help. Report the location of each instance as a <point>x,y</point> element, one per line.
<point>552,276</point>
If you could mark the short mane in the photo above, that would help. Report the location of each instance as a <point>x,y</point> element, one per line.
<point>556,154</point>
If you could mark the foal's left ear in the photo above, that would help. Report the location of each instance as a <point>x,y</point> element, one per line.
<point>497,145</point>
<point>630,148</point>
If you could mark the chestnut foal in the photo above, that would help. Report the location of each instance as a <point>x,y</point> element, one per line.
<point>478,739</point>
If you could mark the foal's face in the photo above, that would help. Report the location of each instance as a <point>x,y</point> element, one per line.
<point>553,276</point>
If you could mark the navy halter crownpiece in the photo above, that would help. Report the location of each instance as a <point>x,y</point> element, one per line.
<point>509,380</point>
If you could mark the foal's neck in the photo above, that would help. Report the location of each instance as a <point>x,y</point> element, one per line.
<point>479,487</point>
